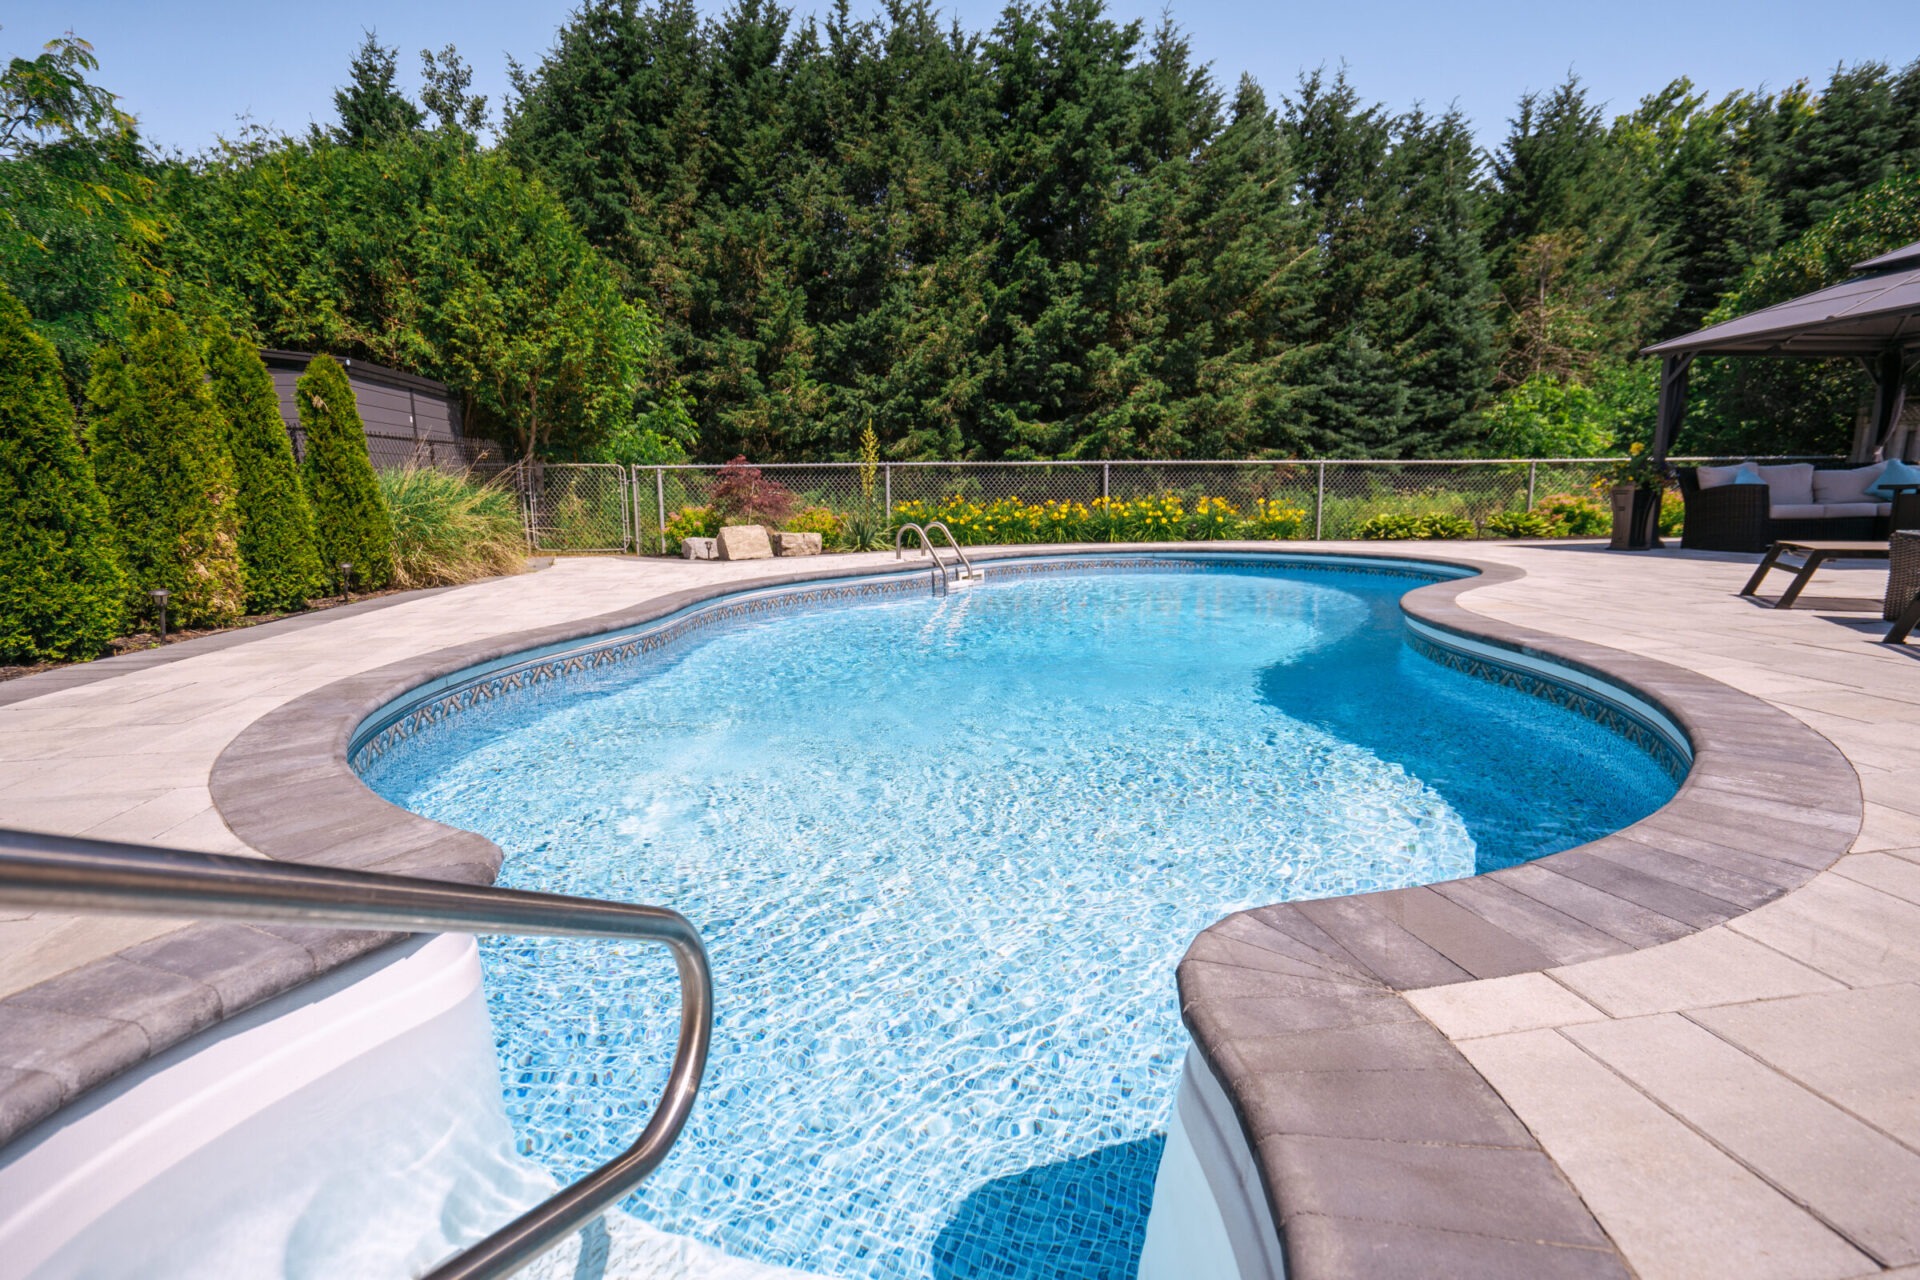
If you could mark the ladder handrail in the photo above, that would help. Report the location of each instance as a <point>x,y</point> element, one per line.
<point>954,542</point>
<point>967,572</point>
<point>73,874</point>
<point>938,568</point>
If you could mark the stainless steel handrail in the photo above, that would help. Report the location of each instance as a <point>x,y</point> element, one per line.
<point>938,569</point>
<point>968,570</point>
<point>72,874</point>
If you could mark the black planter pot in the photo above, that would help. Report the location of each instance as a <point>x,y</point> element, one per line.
<point>1636,518</point>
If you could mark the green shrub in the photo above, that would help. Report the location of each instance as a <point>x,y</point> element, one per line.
<point>161,462</point>
<point>277,560</point>
<point>690,522</point>
<point>1394,525</point>
<point>1575,515</point>
<point>350,522</point>
<point>60,586</point>
<point>447,529</point>
<point>1519,524</point>
<point>824,521</point>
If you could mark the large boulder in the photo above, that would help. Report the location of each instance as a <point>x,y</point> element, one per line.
<point>744,542</point>
<point>796,544</point>
<point>700,548</point>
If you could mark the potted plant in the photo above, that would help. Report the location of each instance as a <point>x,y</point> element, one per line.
<point>1639,481</point>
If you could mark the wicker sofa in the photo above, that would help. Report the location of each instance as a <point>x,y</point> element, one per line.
<point>1794,500</point>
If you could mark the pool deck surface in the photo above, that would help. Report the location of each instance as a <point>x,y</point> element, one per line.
<point>1743,1101</point>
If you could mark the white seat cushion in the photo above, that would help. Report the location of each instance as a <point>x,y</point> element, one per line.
<point>1846,486</point>
<point>1835,510</point>
<point>1714,477</point>
<point>1789,484</point>
<point>1798,511</point>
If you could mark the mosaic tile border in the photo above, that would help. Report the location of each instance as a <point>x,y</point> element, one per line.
<point>1620,720</point>
<point>393,726</point>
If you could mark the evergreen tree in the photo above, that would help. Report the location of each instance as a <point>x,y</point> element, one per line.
<point>371,109</point>
<point>1431,310</point>
<point>1574,255</point>
<point>277,558</point>
<point>1865,129</point>
<point>350,521</point>
<point>155,438</point>
<point>1354,406</point>
<point>60,586</point>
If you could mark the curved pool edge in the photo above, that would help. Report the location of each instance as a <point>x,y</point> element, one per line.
<point>285,786</point>
<point>1380,1150</point>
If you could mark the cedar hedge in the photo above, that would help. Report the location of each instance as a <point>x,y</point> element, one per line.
<point>277,556</point>
<point>350,521</point>
<point>60,584</point>
<point>159,457</point>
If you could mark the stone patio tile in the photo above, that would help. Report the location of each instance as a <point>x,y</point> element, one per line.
<point>1496,1006</point>
<point>1676,1206</point>
<point>144,823</point>
<point>1856,1179</point>
<point>1887,828</point>
<point>1711,967</point>
<point>1856,934</point>
<point>1859,1048</point>
<point>70,814</point>
<point>44,945</point>
<point>1896,872</point>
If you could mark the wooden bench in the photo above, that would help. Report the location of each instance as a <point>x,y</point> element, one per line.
<point>1815,553</point>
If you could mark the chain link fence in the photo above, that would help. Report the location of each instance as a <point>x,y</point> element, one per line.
<point>603,507</point>
<point>577,506</point>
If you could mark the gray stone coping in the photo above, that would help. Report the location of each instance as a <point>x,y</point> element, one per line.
<point>1383,1153</point>
<point>1296,1007</point>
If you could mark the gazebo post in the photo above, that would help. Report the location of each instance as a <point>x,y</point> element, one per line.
<point>1889,374</point>
<point>1673,402</point>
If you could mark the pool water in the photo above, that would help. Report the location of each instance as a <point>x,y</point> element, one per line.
<point>946,854</point>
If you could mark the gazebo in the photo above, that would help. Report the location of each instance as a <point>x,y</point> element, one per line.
<point>1873,318</point>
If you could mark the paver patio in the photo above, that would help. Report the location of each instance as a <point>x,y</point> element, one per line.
<point>1741,1102</point>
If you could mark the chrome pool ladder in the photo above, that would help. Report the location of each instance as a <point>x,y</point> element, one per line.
<point>43,872</point>
<point>968,575</point>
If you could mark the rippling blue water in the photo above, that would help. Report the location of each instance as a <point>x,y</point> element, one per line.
<point>946,854</point>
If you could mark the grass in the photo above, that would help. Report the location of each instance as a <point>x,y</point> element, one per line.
<point>448,529</point>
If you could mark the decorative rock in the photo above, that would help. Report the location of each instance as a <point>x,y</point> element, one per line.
<point>744,542</point>
<point>700,548</point>
<point>796,544</point>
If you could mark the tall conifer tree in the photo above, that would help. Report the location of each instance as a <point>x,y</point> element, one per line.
<point>277,557</point>
<point>350,520</point>
<point>155,437</point>
<point>60,585</point>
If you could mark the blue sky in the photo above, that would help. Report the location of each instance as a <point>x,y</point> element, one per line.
<point>189,69</point>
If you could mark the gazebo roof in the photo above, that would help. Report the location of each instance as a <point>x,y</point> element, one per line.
<point>1869,314</point>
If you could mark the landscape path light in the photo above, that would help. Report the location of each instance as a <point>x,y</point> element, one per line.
<point>346,580</point>
<point>160,596</point>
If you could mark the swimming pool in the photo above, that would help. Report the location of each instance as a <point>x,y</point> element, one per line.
<point>945,854</point>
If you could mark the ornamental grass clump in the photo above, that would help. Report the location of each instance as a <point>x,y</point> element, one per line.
<point>61,595</point>
<point>350,522</point>
<point>448,529</point>
<point>161,460</point>
<point>278,562</point>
